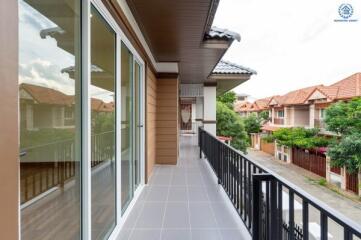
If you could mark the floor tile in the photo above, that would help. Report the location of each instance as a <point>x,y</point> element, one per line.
<point>201,215</point>
<point>145,234</point>
<point>178,194</point>
<point>231,234</point>
<point>157,194</point>
<point>206,234</point>
<point>176,215</point>
<point>151,215</point>
<point>176,234</point>
<point>179,179</point>
<point>197,194</point>
<point>224,215</point>
<point>160,180</point>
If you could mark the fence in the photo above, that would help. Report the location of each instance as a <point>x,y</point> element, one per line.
<point>311,161</point>
<point>250,186</point>
<point>47,166</point>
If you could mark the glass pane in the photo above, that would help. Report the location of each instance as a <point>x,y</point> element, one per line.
<point>127,125</point>
<point>103,49</point>
<point>138,126</point>
<point>50,114</point>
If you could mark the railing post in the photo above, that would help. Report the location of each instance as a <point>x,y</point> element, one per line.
<point>219,158</point>
<point>200,141</point>
<point>257,180</point>
<point>257,208</point>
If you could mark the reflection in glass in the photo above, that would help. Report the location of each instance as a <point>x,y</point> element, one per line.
<point>49,96</point>
<point>127,125</point>
<point>103,50</point>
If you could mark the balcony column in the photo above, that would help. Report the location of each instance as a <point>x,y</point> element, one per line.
<point>273,115</point>
<point>285,116</point>
<point>312,116</point>
<point>209,109</point>
<point>199,112</point>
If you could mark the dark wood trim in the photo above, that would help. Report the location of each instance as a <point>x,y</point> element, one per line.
<point>210,84</point>
<point>199,119</point>
<point>161,75</point>
<point>209,121</point>
<point>9,143</point>
<point>119,16</point>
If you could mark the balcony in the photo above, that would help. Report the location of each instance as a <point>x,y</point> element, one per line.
<point>227,196</point>
<point>183,202</point>
<point>278,121</point>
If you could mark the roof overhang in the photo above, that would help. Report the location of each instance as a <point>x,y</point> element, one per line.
<point>180,32</point>
<point>226,82</point>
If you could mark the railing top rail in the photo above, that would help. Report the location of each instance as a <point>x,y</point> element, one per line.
<point>333,214</point>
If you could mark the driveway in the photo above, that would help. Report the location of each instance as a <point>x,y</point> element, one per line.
<point>301,178</point>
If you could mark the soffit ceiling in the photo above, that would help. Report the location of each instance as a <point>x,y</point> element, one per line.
<point>175,31</point>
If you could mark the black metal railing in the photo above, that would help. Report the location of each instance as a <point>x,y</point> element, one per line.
<point>265,201</point>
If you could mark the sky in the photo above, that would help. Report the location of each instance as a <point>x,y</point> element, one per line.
<point>42,61</point>
<point>291,44</point>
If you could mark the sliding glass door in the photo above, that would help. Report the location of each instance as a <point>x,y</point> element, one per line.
<point>50,119</point>
<point>71,185</point>
<point>102,89</point>
<point>131,124</point>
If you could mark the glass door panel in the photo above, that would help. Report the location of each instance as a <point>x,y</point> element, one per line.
<point>50,119</point>
<point>127,125</point>
<point>102,90</point>
<point>138,122</point>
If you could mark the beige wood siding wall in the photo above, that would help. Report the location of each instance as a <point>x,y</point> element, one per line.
<point>151,106</point>
<point>9,144</point>
<point>167,121</point>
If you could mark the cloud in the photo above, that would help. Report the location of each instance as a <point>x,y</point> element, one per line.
<point>46,74</point>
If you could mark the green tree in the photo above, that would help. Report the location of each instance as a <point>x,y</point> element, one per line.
<point>230,124</point>
<point>298,137</point>
<point>252,124</point>
<point>345,118</point>
<point>264,115</point>
<point>227,98</point>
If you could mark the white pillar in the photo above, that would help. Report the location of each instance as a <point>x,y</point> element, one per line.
<point>312,116</point>
<point>285,116</point>
<point>199,112</point>
<point>209,110</point>
<point>273,115</point>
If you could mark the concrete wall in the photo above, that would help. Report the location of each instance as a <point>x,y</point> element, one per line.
<point>9,142</point>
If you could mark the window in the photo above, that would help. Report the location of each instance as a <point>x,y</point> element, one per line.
<point>49,80</point>
<point>280,114</point>
<point>322,113</point>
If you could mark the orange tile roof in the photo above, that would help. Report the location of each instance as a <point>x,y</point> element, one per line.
<point>242,106</point>
<point>44,95</point>
<point>298,96</point>
<point>47,95</point>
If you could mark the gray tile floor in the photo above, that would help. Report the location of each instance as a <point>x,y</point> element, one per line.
<point>182,202</point>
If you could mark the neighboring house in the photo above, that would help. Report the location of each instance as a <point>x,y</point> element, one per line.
<point>306,107</point>
<point>242,108</point>
<point>43,107</point>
